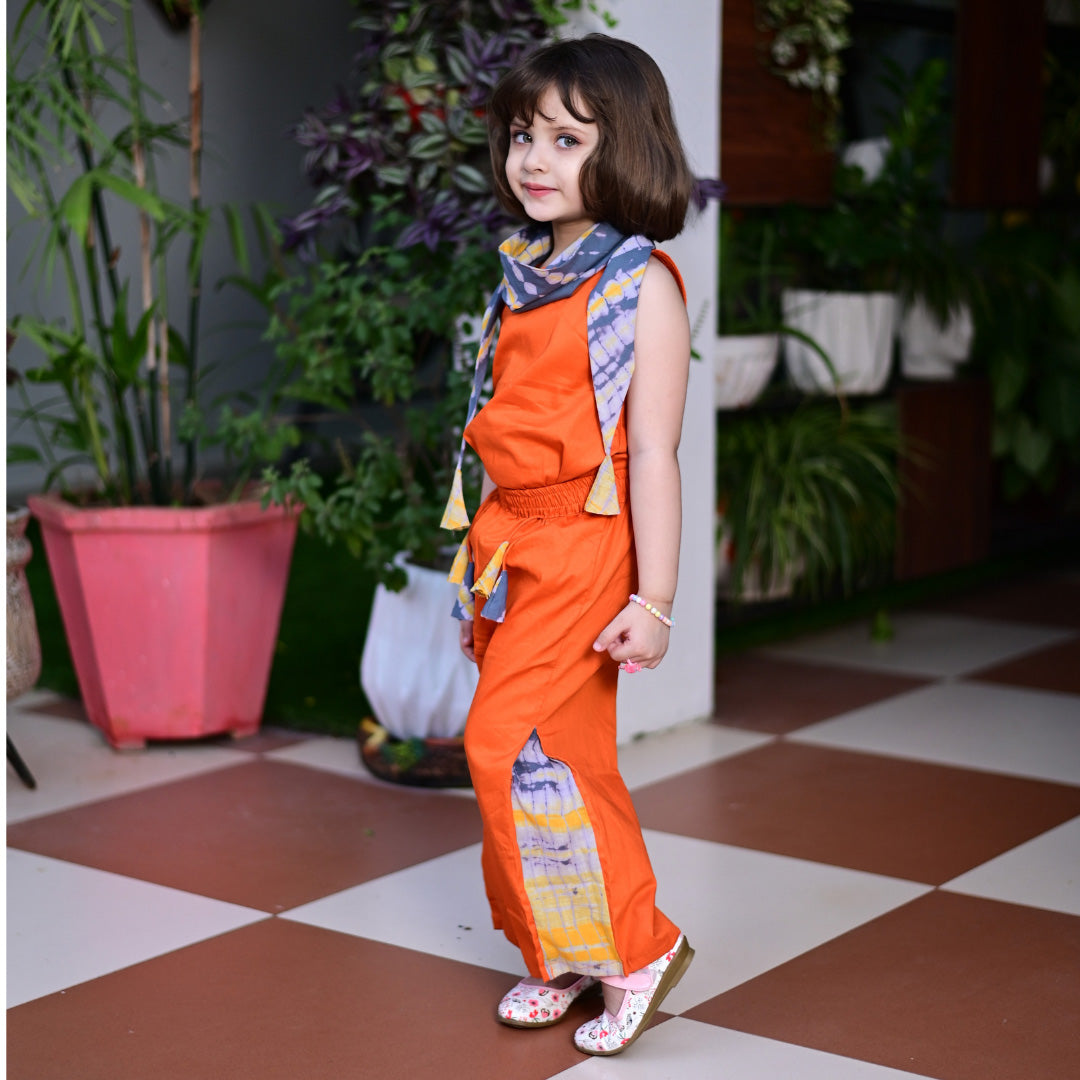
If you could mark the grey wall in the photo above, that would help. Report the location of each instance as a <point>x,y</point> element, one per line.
<point>264,62</point>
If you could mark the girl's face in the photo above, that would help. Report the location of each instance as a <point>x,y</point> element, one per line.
<point>543,165</point>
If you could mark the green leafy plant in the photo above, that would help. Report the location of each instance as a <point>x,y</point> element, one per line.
<point>928,265</point>
<point>886,231</point>
<point>127,375</point>
<point>1027,338</point>
<point>750,275</point>
<point>810,493</point>
<point>808,38</point>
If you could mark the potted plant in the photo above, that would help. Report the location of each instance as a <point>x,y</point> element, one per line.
<point>878,259</point>
<point>170,589</point>
<point>809,498</point>
<point>934,283</point>
<point>748,344</point>
<point>843,257</point>
<point>808,37</point>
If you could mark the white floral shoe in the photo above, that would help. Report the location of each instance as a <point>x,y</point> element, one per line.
<point>645,989</point>
<point>534,1004</point>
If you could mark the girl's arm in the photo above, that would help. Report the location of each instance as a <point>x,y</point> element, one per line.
<point>654,405</point>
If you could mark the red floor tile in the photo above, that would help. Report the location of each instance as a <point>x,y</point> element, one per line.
<point>905,819</point>
<point>947,986</point>
<point>767,694</point>
<point>1056,667</point>
<point>1053,600</point>
<point>284,1001</point>
<point>268,835</point>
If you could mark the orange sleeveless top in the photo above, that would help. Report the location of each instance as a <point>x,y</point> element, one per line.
<point>541,426</point>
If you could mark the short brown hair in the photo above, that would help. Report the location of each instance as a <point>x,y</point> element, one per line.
<point>637,178</point>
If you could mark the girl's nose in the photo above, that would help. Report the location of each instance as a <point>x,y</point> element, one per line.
<point>535,159</point>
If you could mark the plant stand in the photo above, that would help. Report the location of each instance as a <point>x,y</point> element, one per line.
<point>430,763</point>
<point>171,613</point>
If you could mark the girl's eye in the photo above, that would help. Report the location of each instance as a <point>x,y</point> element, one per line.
<point>566,141</point>
<point>520,137</point>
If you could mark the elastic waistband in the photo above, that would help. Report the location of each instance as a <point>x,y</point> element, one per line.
<point>559,500</point>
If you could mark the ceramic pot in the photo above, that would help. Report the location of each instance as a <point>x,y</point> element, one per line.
<point>171,613</point>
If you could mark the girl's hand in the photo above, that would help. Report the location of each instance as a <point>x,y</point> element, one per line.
<point>635,635</point>
<point>465,638</point>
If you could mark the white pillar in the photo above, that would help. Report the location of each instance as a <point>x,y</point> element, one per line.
<point>683,37</point>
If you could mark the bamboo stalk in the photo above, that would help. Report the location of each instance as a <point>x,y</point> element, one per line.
<point>100,219</point>
<point>153,447</point>
<point>195,145</point>
<point>85,388</point>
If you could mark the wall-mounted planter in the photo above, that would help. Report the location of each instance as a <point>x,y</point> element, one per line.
<point>855,330</point>
<point>171,614</point>
<point>742,366</point>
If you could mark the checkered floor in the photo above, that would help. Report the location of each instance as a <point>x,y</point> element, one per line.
<point>874,848</point>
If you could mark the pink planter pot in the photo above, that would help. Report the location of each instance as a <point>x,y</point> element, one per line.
<point>171,614</point>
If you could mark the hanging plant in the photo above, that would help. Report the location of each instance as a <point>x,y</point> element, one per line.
<point>808,38</point>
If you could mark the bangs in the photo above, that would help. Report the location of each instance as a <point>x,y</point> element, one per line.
<point>518,95</point>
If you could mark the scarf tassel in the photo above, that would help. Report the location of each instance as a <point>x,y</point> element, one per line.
<point>495,606</point>
<point>486,582</point>
<point>604,496</point>
<point>460,563</point>
<point>464,605</point>
<point>455,516</point>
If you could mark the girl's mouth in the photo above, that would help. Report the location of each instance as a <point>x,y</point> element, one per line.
<point>537,189</point>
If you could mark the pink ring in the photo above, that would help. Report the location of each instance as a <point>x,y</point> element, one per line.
<point>629,667</point>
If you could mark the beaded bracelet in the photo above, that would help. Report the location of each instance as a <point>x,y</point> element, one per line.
<point>652,610</point>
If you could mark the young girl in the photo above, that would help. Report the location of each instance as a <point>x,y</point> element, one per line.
<point>557,590</point>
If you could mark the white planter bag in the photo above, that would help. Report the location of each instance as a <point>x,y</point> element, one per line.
<point>854,329</point>
<point>413,671</point>
<point>929,350</point>
<point>742,365</point>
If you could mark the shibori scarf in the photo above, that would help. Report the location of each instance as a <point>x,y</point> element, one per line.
<point>612,312</point>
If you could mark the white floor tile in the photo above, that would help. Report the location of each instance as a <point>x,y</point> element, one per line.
<point>667,753</point>
<point>1033,733</point>
<point>73,764</point>
<point>743,911</point>
<point>642,761</point>
<point>332,754</point>
<point>685,1050</point>
<point>746,911</point>
<point>342,756</point>
<point>436,907</point>
<point>936,646</point>
<point>69,923</point>
<point>1044,873</point>
<point>682,1049</point>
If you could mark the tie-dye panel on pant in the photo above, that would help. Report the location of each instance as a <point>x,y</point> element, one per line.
<point>561,865</point>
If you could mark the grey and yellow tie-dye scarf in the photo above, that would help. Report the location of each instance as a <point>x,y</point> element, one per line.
<point>612,312</point>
